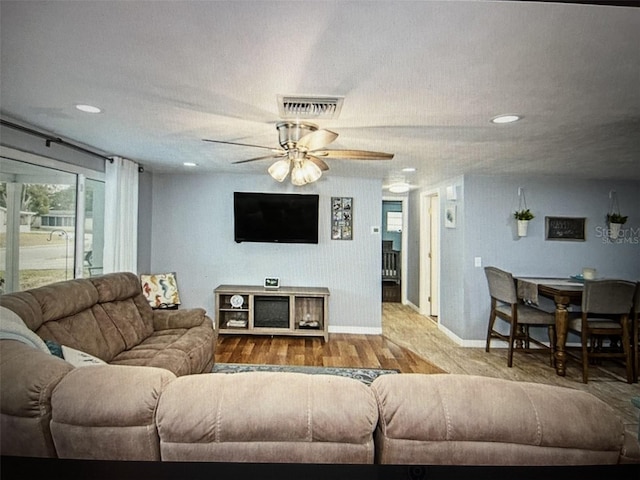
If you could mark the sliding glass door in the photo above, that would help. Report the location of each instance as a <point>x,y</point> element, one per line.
<point>51,224</point>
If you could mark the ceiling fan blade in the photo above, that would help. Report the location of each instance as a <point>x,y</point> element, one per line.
<point>320,163</point>
<point>353,154</point>
<point>317,139</point>
<point>241,144</point>
<point>259,158</point>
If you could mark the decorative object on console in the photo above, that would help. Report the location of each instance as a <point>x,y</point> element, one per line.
<point>342,218</point>
<point>237,300</point>
<point>272,282</point>
<point>161,290</point>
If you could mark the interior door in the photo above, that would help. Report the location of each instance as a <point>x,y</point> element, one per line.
<point>429,254</point>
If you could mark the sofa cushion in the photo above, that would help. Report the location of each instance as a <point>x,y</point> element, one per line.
<point>182,351</point>
<point>470,420</point>
<point>42,304</point>
<point>108,413</point>
<point>90,331</point>
<point>267,417</point>
<point>120,295</point>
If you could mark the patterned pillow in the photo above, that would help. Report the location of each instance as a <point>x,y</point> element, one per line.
<point>160,290</point>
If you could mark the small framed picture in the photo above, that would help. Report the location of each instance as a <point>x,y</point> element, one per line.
<point>272,282</point>
<point>450,216</point>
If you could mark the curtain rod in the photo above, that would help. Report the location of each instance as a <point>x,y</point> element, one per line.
<point>51,139</point>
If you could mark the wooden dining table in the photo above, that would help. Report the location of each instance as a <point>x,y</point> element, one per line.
<point>563,292</point>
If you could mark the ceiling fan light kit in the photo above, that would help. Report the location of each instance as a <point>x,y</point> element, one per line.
<point>301,145</point>
<point>280,169</point>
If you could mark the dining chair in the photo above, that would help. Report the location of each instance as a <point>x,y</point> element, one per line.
<point>506,306</point>
<point>606,307</point>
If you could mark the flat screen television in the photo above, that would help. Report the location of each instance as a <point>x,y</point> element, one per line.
<point>275,217</point>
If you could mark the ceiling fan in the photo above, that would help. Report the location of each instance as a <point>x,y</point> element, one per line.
<point>302,152</point>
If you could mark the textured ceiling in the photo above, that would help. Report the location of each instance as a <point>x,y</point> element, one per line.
<point>421,79</point>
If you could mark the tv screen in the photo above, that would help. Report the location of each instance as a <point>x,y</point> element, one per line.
<point>275,217</point>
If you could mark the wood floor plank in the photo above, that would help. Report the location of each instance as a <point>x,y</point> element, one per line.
<point>342,350</point>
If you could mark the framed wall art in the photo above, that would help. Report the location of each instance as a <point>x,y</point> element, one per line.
<point>342,218</point>
<point>565,228</point>
<point>450,216</point>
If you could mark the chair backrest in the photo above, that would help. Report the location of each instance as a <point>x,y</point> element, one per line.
<point>501,285</point>
<point>608,296</point>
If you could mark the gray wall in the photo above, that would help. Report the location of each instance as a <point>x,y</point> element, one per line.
<point>192,234</point>
<point>486,229</point>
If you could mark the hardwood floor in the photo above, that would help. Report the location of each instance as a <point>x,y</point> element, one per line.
<point>412,343</point>
<point>342,350</point>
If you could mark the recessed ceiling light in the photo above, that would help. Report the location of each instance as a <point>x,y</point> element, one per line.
<point>409,169</point>
<point>88,108</point>
<point>190,164</point>
<point>506,118</point>
<point>399,188</point>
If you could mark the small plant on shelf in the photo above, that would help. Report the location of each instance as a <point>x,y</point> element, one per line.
<point>523,214</point>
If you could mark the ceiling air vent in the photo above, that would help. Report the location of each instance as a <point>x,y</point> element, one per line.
<point>293,106</point>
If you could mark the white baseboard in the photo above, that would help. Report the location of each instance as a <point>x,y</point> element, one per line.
<point>355,330</point>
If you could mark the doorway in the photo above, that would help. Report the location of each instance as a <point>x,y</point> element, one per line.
<point>430,254</point>
<point>393,260</point>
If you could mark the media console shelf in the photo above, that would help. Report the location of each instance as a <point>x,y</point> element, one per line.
<point>254,310</point>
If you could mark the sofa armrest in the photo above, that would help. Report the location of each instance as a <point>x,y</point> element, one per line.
<point>108,412</point>
<point>28,377</point>
<point>188,318</point>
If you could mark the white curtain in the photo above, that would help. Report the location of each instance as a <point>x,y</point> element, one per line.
<point>121,216</point>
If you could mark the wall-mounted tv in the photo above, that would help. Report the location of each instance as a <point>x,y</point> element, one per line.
<point>275,217</point>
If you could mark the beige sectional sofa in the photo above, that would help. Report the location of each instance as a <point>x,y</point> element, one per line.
<point>144,413</point>
<point>109,318</point>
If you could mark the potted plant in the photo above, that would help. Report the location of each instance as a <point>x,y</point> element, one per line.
<point>615,224</point>
<point>523,217</point>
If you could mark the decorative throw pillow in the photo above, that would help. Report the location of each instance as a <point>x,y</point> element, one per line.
<point>55,348</point>
<point>80,359</point>
<point>160,290</point>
